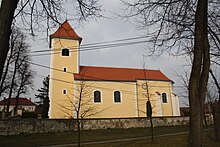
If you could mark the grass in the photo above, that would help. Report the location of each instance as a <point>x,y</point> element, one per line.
<point>180,140</point>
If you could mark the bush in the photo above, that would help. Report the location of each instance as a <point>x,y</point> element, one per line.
<point>29,115</point>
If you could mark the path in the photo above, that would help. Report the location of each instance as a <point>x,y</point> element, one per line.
<point>115,140</point>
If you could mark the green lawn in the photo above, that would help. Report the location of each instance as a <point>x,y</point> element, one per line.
<point>180,140</point>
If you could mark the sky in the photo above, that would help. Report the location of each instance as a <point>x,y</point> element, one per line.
<point>108,29</point>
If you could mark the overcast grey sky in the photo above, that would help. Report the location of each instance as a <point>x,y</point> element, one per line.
<point>108,29</point>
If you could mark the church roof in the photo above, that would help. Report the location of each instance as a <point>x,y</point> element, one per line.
<point>21,101</point>
<point>65,31</point>
<point>118,74</point>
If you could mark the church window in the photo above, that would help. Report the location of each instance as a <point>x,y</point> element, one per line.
<point>64,91</point>
<point>97,96</point>
<point>65,52</point>
<point>164,97</point>
<point>117,97</point>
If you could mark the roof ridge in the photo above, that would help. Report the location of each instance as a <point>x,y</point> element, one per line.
<point>22,101</point>
<point>119,68</point>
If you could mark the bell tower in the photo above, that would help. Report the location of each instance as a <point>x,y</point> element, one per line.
<point>64,61</point>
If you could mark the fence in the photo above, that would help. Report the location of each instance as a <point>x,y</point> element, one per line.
<point>30,126</point>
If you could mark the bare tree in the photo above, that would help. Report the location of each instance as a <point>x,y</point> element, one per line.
<point>199,73</point>
<point>6,17</point>
<point>174,25</point>
<point>148,103</point>
<point>17,70</point>
<point>184,79</point>
<point>5,82</point>
<point>81,105</point>
<point>24,80</point>
<point>34,14</point>
<point>184,82</point>
<point>216,109</point>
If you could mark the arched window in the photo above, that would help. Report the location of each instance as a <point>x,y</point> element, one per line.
<point>164,97</point>
<point>65,52</point>
<point>117,97</point>
<point>97,96</point>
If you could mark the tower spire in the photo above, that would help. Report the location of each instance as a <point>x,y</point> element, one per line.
<point>65,31</point>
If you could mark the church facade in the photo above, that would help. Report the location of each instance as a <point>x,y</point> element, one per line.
<point>103,92</point>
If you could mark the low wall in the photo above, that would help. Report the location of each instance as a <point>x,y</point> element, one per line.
<point>30,126</point>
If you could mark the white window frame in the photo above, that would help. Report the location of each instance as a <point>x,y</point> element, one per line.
<point>64,68</point>
<point>113,95</point>
<point>63,91</point>
<point>162,98</point>
<point>65,56</point>
<point>93,98</point>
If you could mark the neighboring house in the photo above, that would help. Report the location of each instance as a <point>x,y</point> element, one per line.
<point>113,92</point>
<point>184,111</point>
<point>23,103</point>
<point>208,111</point>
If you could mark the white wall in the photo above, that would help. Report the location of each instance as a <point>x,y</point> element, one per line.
<point>175,105</point>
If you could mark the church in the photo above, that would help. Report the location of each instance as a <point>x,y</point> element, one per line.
<point>103,92</point>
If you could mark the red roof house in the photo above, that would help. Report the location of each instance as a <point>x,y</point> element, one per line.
<point>24,103</point>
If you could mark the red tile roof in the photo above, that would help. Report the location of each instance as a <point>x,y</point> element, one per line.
<point>65,31</point>
<point>118,74</point>
<point>21,101</point>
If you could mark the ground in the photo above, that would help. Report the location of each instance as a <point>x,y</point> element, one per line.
<point>164,136</point>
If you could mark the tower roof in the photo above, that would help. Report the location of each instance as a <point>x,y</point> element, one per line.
<point>65,31</point>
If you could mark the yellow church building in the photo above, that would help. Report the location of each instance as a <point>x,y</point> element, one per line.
<point>103,92</point>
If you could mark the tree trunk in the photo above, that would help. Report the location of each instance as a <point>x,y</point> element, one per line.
<point>6,69</point>
<point>216,109</point>
<point>16,105</point>
<point>152,130</point>
<point>12,85</point>
<point>6,17</point>
<point>217,121</point>
<point>78,129</point>
<point>22,78</point>
<point>149,115</point>
<point>199,75</point>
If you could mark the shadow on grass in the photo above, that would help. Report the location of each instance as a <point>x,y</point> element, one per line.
<point>181,140</point>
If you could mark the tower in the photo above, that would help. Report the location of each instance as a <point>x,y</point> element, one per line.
<point>64,61</point>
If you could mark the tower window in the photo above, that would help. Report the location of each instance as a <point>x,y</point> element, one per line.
<point>164,97</point>
<point>64,91</point>
<point>65,52</point>
<point>64,69</point>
